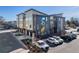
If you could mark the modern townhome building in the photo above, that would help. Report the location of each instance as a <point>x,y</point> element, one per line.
<point>39,24</point>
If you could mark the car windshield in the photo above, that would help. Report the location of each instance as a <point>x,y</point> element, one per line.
<point>41,43</point>
<point>57,38</point>
<point>70,34</point>
<point>51,39</point>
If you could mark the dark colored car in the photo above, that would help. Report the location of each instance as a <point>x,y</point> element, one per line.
<point>66,38</point>
<point>78,30</point>
<point>69,37</point>
<point>72,35</point>
<point>18,34</point>
<point>26,41</point>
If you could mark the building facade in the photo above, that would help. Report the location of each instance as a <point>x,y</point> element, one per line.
<point>20,22</point>
<point>33,21</point>
<point>57,24</point>
<point>38,23</point>
<point>41,25</point>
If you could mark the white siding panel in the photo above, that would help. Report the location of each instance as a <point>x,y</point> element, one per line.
<point>29,18</point>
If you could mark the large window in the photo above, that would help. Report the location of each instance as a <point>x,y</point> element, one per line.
<point>29,21</point>
<point>59,24</point>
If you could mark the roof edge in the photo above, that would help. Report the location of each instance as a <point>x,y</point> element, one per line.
<point>36,11</point>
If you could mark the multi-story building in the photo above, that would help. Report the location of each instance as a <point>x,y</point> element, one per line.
<point>33,22</point>
<point>20,22</point>
<point>57,24</point>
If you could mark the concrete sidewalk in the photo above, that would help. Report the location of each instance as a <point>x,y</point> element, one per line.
<point>9,30</point>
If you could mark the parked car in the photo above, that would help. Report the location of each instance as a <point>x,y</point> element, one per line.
<point>69,37</point>
<point>58,39</point>
<point>78,30</point>
<point>72,35</point>
<point>18,34</point>
<point>66,38</point>
<point>26,41</point>
<point>43,45</point>
<point>52,41</point>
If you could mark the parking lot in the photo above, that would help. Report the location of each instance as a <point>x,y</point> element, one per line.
<point>71,47</point>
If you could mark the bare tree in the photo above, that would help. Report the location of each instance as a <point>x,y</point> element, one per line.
<point>73,22</point>
<point>1,19</point>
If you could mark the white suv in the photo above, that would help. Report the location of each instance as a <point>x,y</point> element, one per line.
<point>58,39</point>
<point>52,41</point>
<point>43,45</point>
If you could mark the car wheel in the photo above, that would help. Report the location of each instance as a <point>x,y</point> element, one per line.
<point>60,43</point>
<point>56,45</point>
<point>45,50</point>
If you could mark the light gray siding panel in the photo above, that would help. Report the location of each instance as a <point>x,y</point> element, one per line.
<point>29,18</point>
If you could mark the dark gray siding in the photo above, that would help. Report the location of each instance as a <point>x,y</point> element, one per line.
<point>42,23</point>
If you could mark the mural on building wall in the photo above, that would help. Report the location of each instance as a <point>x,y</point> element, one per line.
<point>43,25</point>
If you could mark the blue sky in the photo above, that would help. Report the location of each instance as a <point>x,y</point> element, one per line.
<point>9,12</point>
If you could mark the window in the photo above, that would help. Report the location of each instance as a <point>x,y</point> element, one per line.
<point>51,17</point>
<point>41,43</point>
<point>46,19</point>
<point>43,18</point>
<point>27,32</point>
<point>30,26</point>
<point>21,16</point>
<point>31,34</point>
<point>37,27</point>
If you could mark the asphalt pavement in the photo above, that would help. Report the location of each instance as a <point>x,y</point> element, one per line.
<point>8,42</point>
